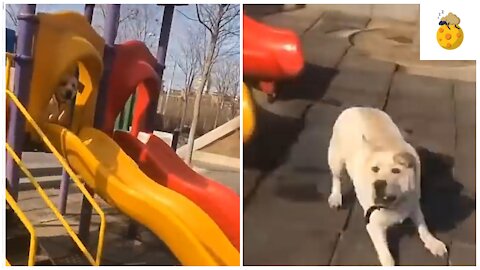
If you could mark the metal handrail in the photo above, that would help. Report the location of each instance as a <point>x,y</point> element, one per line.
<point>72,175</point>
<point>33,238</point>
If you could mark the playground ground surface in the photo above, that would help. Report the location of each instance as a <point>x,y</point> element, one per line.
<point>145,249</point>
<point>286,221</point>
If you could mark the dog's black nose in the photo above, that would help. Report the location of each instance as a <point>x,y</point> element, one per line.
<point>68,94</point>
<point>380,185</point>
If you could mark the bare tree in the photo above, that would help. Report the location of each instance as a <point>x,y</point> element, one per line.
<point>189,63</point>
<point>226,78</point>
<point>12,11</point>
<point>222,23</point>
<point>136,22</point>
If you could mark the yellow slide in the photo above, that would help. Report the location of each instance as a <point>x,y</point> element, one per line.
<point>191,234</point>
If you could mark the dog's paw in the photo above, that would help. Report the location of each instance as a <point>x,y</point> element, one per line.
<point>387,260</point>
<point>436,247</point>
<point>335,200</point>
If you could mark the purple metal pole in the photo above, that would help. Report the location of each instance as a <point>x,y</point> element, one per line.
<point>111,27</point>
<point>161,55</point>
<point>88,13</point>
<point>65,181</point>
<point>23,77</point>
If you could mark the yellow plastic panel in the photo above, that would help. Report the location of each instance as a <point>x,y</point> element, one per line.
<point>189,232</point>
<point>63,40</point>
<point>248,114</point>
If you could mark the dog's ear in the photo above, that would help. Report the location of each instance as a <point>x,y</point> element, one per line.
<point>80,87</point>
<point>405,159</point>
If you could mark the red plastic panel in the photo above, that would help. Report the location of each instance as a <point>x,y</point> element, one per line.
<point>270,53</point>
<point>132,70</point>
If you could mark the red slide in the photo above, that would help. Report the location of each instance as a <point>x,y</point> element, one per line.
<point>270,53</point>
<point>133,69</point>
<point>157,160</point>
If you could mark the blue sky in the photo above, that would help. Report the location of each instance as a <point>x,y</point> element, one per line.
<point>179,31</point>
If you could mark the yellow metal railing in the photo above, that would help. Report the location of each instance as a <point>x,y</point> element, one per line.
<point>9,66</point>
<point>33,238</point>
<point>70,172</point>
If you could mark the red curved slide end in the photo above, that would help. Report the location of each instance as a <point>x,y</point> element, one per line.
<point>269,53</point>
<point>159,162</point>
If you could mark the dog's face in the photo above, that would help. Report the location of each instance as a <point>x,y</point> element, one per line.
<point>389,174</point>
<point>67,89</point>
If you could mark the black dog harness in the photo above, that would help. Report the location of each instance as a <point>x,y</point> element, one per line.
<point>370,211</point>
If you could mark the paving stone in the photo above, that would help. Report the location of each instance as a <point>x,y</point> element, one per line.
<point>161,258</point>
<point>310,150</point>
<point>270,145</point>
<point>309,86</point>
<point>59,245</point>
<point>465,230</point>
<point>464,95</point>
<point>322,115</point>
<point>334,20</point>
<point>258,10</point>
<point>284,245</point>
<point>73,259</point>
<point>360,88</point>
<point>34,195</point>
<point>293,196</point>
<point>430,114</point>
<point>465,159</point>
<point>250,178</point>
<point>355,248</point>
<point>121,250</point>
<point>356,59</point>
<point>465,100</point>
<point>413,252</point>
<point>323,51</point>
<point>290,108</point>
<point>462,254</point>
<point>298,20</point>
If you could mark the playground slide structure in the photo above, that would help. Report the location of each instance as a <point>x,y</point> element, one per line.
<point>248,109</point>
<point>191,234</point>
<point>270,54</point>
<point>132,71</point>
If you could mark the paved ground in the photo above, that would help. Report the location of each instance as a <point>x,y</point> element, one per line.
<point>146,249</point>
<point>287,222</point>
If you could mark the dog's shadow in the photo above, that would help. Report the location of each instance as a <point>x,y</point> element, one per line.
<point>444,205</point>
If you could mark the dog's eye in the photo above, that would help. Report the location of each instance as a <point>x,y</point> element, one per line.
<point>396,170</point>
<point>375,169</point>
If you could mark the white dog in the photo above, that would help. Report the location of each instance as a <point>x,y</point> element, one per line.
<point>59,108</point>
<point>385,171</point>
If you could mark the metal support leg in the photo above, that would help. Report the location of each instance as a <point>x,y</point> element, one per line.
<point>64,185</point>
<point>111,27</point>
<point>23,77</point>
<point>175,137</point>
<point>85,218</point>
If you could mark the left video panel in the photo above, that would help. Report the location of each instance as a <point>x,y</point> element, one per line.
<point>123,134</point>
